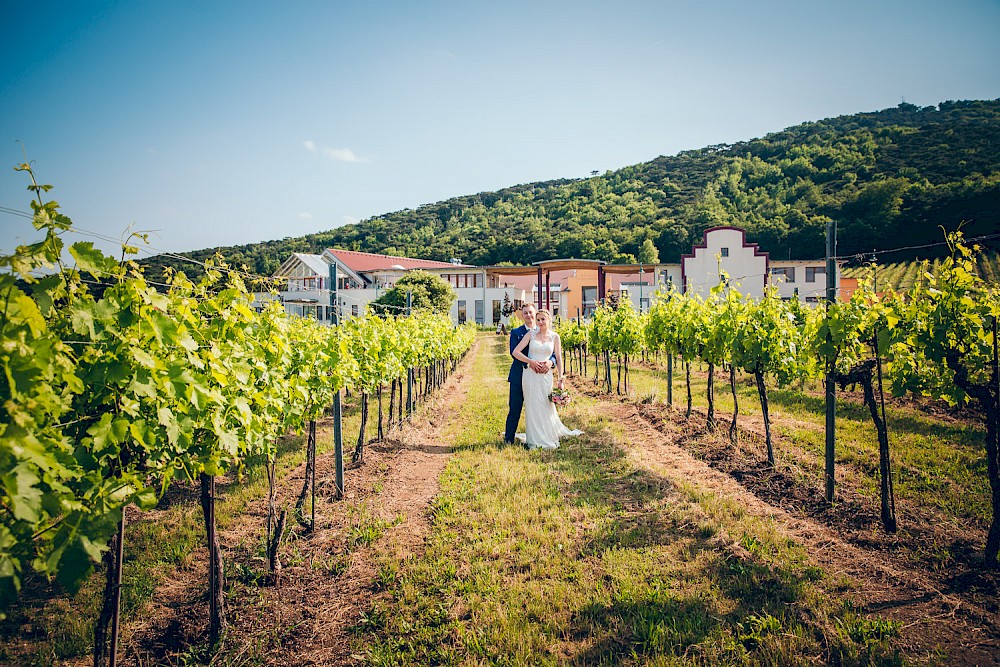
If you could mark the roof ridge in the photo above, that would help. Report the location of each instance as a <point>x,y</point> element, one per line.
<point>375,254</point>
<point>396,257</point>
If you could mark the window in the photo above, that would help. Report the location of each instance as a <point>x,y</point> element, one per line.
<point>480,311</point>
<point>462,315</point>
<point>589,297</point>
<point>496,311</point>
<point>812,299</point>
<point>787,271</point>
<point>812,271</point>
<point>725,252</point>
<point>354,310</point>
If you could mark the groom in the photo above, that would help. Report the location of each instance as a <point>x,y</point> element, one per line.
<point>515,401</point>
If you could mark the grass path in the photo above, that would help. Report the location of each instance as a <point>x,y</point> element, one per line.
<point>585,556</point>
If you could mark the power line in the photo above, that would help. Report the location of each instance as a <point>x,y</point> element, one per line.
<point>154,251</point>
<point>875,253</point>
<point>14,211</point>
<point>146,248</point>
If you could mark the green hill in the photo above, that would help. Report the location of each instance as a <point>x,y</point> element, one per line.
<point>889,178</point>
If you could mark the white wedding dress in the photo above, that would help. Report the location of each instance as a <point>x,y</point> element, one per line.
<point>542,425</point>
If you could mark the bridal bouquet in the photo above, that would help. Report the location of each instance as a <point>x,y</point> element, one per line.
<point>560,396</point>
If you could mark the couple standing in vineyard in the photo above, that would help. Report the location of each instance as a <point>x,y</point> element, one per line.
<point>535,346</point>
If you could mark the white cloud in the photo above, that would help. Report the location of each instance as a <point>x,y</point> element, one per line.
<point>305,215</point>
<point>338,154</point>
<point>341,154</point>
<point>348,220</point>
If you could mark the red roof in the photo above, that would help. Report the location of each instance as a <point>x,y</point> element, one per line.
<point>360,262</point>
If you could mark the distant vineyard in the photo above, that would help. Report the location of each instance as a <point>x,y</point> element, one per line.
<point>902,275</point>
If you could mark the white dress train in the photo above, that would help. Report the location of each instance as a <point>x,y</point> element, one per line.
<point>542,425</point>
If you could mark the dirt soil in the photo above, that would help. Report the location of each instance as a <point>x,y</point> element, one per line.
<point>939,409</point>
<point>954,610</point>
<point>328,577</point>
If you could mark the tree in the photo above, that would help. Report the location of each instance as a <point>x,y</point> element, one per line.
<point>607,251</point>
<point>508,307</point>
<point>648,254</point>
<point>429,292</point>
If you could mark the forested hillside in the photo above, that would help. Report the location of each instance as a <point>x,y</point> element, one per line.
<point>889,178</point>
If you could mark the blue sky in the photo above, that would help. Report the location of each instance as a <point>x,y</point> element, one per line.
<point>219,123</point>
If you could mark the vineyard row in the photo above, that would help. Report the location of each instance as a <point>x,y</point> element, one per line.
<point>112,388</point>
<point>938,339</point>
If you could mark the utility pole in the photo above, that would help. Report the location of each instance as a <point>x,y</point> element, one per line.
<point>831,388</point>
<point>338,434</point>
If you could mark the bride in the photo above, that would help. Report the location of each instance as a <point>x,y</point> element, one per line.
<point>542,425</point>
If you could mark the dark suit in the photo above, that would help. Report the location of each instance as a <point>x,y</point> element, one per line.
<point>515,401</point>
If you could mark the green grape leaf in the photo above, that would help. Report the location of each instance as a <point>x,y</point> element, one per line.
<point>23,494</point>
<point>90,259</point>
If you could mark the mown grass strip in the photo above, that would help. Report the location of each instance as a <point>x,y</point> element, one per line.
<point>578,557</point>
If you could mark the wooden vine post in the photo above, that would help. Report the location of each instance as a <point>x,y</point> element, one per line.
<point>831,391</point>
<point>993,455</point>
<point>409,371</point>
<point>119,562</point>
<point>216,575</point>
<point>888,493</point>
<point>670,379</point>
<point>338,435</point>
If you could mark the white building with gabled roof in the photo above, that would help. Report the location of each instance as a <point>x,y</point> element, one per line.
<point>750,269</point>
<point>724,249</point>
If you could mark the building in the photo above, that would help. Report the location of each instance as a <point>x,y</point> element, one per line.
<point>363,276</point>
<point>726,249</point>
<point>567,287</point>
